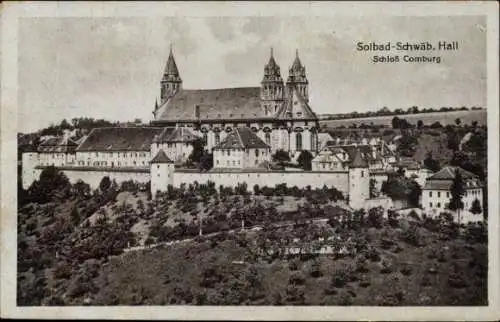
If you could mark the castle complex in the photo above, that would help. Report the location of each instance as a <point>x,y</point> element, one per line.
<point>241,127</point>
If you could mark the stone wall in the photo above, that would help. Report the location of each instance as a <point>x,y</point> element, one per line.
<point>94,177</point>
<point>301,179</point>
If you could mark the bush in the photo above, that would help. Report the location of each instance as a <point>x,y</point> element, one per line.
<point>297,278</point>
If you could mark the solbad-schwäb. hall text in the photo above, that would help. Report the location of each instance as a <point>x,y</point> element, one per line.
<point>407,46</point>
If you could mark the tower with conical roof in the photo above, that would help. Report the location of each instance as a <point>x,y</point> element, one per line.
<point>297,78</point>
<point>359,181</point>
<point>171,81</point>
<point>272,91</point>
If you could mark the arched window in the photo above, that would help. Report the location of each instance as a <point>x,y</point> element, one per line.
<point>268,139</point>
<point>313,141</point>
<point>217,138</point>
<point>256,152</point>
<point>298,141</point>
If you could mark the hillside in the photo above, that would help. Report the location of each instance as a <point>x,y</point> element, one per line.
<point>445,118</point>
<point>79,249</point>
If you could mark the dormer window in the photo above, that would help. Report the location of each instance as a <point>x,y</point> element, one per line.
<point>299,114</point>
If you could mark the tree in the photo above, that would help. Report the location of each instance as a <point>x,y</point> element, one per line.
<point>436,125</point>
<point>458,122</point>
<point>430,163</point>
<point>457,192</point>
<point>395,122</point>
<point>206,161</point>
<point>52,183</point>
<point>105,184</point>
<point>476,207</point>
<point>197,152</point>
<point>281,156</point>
<point>420,124</point>
<point>305,159</point>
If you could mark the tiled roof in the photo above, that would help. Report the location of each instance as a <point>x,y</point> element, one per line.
<point>358,161</point>
<point>224,103</point>
<point>171,66</point>
<point>443,179</point>
<point>119,139</point>
<point>242,138</point>
<point>448,173</point>
<point>161,157</point>
<point>172,135</point>
<point>57,144</point>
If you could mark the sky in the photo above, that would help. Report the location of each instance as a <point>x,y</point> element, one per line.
<point>111,67</point>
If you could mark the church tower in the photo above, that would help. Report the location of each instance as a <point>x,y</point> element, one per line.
<point>272,91</point>
<point>297,78</point>
<point>171,82</point>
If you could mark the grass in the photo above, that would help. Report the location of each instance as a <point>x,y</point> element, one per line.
<point>409,277</point>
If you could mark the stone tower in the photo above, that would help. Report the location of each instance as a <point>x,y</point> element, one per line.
<point>162,173</point>
<point>171,82</point>
<point>297,78</point>
<point>272,91</point>
<point>29,162</point>
<point>359,181</point>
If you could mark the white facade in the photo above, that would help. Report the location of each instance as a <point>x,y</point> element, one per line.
<point>161,176</point>
<point>359,187</point>
<point>435,202</point>
<point>113,159</point>
<point>239,158</point>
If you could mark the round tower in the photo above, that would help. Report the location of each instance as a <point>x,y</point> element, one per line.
<point>29,162</point>
<point>359,181</point>
<point>272,91</point>
<point>162,173</point>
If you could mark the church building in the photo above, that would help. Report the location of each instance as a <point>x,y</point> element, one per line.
<point>277,112</point>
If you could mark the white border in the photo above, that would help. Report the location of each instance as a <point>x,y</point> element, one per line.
<point>11,12</point>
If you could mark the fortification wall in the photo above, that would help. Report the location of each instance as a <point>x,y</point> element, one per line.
<point>94,176</point>
<point>315,179</point>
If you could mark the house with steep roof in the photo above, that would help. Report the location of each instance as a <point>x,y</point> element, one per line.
<point>278,113</point>
<point>436,193</point>
<point>56,151</point>
<point>241,149</point>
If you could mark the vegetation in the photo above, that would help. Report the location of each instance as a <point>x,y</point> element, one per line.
<point>257,248</point>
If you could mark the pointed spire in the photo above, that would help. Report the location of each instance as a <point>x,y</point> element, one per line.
<point>297,65</point>
<point>171,67</point>
<point>358,161</point>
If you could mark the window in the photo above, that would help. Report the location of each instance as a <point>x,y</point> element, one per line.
<point>439,195</point>
<point>362,173</point>
<point>228,152</point>
<point>217,138</point>
<point>157,166</point>
<point>439,205</point>
<point>313,141</point>
<point>205,138</point>
<point>447,194</point>
<point>430,204</point>
<point>298,141</point>
<point>256,152</point>
<point>217,162</point>
<point>324,165</point>
<point>268,139</point>
<point>430,194</point>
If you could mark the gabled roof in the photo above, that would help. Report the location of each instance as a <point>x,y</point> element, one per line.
<point>173,135</point>
<point>57,144</point>
<point>223,103</point>
<point>119,139</point>
<point>161,157</point>
<point>242,138</point>
<point>288,107</point>
<point>358,161</point>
